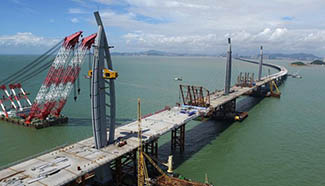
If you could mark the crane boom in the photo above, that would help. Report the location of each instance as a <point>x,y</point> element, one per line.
<point>63,90</point>
<point>141,163</point>
<point>41,107</point>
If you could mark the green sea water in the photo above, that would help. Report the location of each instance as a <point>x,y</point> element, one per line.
<point>280,143</point>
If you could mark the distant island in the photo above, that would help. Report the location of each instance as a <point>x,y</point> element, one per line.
<point>318,62</point>
<point>297,56</point>
<point>315,62</point>
<point>298,63</point>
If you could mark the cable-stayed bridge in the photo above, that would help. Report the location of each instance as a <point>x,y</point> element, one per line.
<point>106,156</point>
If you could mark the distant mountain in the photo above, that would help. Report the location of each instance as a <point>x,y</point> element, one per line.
<point>154,53</point>
<point>297,56</point>
<point>146,53</point>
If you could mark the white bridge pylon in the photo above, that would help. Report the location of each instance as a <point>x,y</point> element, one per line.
<point>103,106</point>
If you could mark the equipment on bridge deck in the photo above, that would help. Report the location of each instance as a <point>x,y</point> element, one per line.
<point>195,95</point>
<point>107,74</point>
<point>246,81</point>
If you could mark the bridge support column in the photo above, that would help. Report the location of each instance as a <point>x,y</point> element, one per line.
<point>260,91</point>
<point>225,111</point>
<point>103,175</point>
<point>178,138</point>
<point>151,148</point>
<point>123,166</point>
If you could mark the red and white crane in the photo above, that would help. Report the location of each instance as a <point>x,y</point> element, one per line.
<point>61,77</point>
<point>40,107</point>
<point>71,74</point>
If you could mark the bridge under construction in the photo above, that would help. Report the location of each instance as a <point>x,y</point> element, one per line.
<point>110,153</point>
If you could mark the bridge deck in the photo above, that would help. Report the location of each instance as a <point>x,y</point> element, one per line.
<point>70,162</point>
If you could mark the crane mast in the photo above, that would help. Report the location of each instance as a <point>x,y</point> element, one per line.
<point>142,172</point>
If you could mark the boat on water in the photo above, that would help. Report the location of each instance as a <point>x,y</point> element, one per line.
<point>178,79</point>
<point>295,75</point>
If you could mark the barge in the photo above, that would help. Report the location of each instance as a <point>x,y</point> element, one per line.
<point>37,123</point>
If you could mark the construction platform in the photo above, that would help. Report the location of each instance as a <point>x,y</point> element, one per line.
<point>72,162</point>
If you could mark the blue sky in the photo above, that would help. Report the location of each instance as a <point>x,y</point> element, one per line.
<point>190,26</point>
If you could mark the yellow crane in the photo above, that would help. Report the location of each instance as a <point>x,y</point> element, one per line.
<point>155,165</point>
<point>142,169</point>
<point>276,92</point>
<point>143,177</point>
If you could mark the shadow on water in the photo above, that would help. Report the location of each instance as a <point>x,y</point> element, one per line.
<point>203,134</point>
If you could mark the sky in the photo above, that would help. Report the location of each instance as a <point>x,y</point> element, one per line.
<point>179,26</point>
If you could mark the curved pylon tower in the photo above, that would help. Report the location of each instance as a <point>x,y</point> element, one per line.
<point>102,90</point>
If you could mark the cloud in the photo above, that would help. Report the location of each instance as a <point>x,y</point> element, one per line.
<point>75,20</point>
<point>274,40</point>
<point>25,43</point>
<point>202,26</point>
<point>25,39</point>
<point>77,11</point>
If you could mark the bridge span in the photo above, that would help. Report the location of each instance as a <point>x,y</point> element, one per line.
<point>74,162</point>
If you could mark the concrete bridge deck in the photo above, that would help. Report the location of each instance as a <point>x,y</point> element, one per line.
<point>68,163</point>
